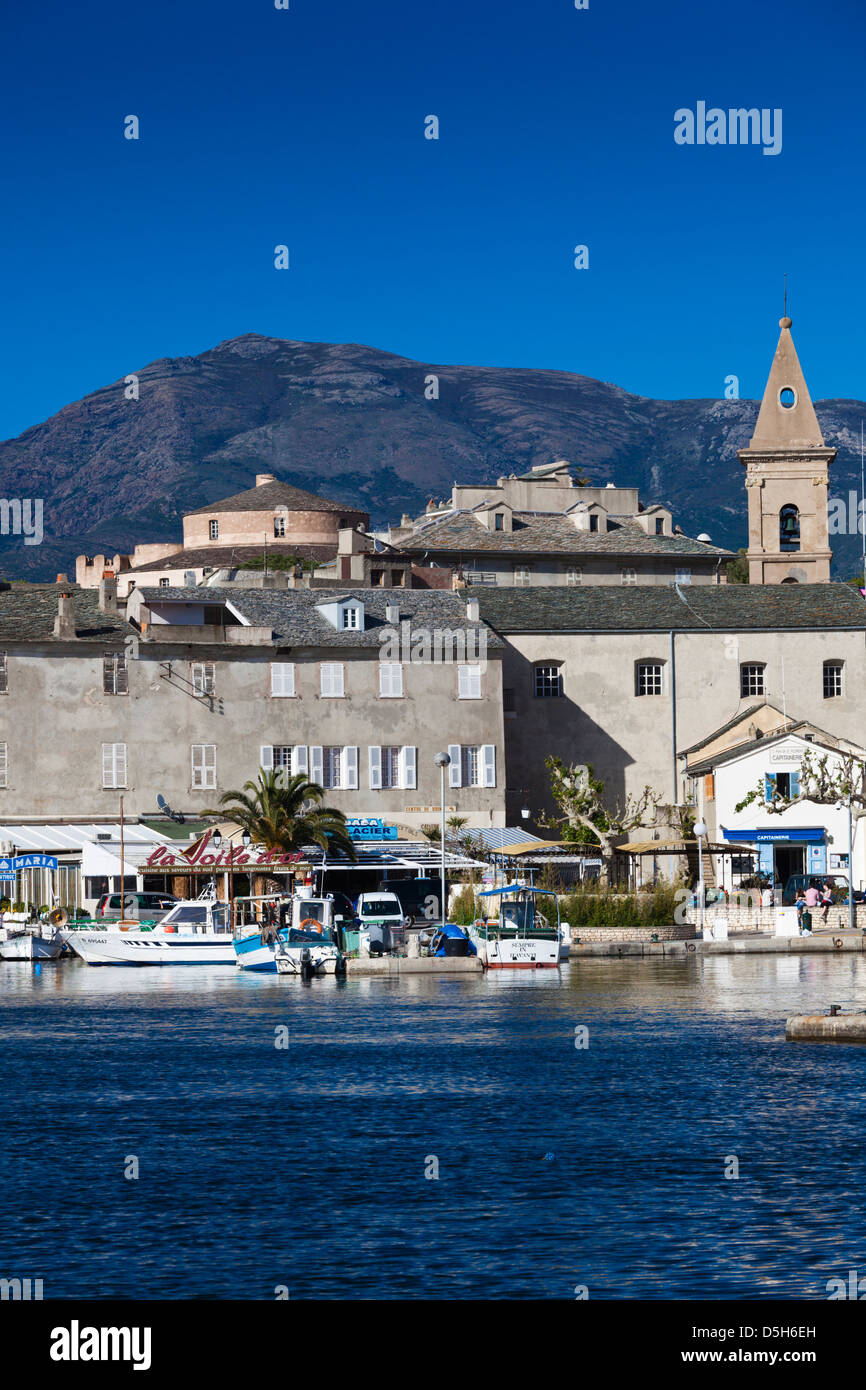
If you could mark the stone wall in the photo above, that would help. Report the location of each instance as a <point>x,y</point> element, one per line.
<point>763,919</point>
<point>587,936</point>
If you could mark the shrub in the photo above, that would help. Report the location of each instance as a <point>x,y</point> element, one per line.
<point>462,909</point>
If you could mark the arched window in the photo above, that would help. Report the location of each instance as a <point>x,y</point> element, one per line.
<point>789,528</point>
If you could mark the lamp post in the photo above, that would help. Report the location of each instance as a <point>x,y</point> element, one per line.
<point>700,832</point>
<point>442,760</point>
<point>852,916</point>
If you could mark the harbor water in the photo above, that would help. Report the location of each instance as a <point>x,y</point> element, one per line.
<point>200,1133</point>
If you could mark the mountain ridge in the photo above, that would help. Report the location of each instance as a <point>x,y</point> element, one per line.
<point>352,422</point>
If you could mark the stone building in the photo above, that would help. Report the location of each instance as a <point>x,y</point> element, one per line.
<point>545,528</point>
<point>272,519</point>
<point>626,680</point>
<point>190,691</point>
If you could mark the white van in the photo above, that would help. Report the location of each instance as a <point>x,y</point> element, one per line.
<point>382,916</point>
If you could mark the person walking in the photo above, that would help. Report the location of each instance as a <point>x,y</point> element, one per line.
<point>800,904</point>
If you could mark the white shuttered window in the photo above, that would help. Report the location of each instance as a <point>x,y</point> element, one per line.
<point>114,764</point>
<point>469,682</point>
<point>282,678</point>
<point>390,680</point>
<point>331,679</point>
<point>203,765</point>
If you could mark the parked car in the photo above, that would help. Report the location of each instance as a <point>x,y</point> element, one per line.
<point>144,907</point>
<point>838,883</point>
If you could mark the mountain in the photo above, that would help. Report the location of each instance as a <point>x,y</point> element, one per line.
<point>353,422</point>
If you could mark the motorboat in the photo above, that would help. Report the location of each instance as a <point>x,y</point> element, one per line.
<point>197,932</point>
<point>31,942</point>
<point>522,937</point>
<point>295,934</point>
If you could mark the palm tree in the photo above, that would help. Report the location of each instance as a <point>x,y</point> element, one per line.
<point>284,813</point>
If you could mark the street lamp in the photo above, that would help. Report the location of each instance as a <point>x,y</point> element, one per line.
<point>442,760</point>
<point>700,832</point>
<point>841,806</point>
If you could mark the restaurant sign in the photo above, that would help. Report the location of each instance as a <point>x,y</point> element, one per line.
<point>199,859</point>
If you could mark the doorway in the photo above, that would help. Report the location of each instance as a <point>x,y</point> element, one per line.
<point>789,859</point>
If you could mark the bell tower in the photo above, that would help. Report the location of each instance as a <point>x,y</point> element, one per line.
<point>787,476</point>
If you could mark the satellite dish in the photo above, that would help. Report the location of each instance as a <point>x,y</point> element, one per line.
<point>704,537</point>
<point>161,803</point>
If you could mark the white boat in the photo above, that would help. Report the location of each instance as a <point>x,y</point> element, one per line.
<point>29,943</point>
<point>193,933</point>
<point>521,937</point>
<point>285,935</point>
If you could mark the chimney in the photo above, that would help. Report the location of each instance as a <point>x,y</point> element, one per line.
<point>108,595</point>
<point>263,478</point>
<point>392,613</point>
<point>64,623</point>
<point>473,611</point>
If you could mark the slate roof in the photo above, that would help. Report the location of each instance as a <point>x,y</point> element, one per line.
<point>550,534</point>
<point>659,608</point>
<point>271,495</point>
<point>231,556</point>
<point>740,718</point>
<point>27,613</point>
<point>294,619</point>
<point>828,742</point>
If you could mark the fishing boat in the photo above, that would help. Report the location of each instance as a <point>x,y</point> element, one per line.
<point>29,943</point>
<point>521,937</point>
<point>289,935</point>
<point>193,933</point>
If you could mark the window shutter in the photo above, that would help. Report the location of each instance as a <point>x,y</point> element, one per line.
<point>374,752</point>
<point>210,764</point>
<point>390,678</point>
<point>282,678</point>
<point>316,765</point>
<point>120,764</point>
<point>350,767</point>
<point>454,779</point>
<point>407,767</point>
<point>462,682</point>
<point>488,765</point>
<point>795,784</point>
<point>108,674</point>
<point>122,676</point>
<point>300,762</point>
<point>266,754</point>
<point>769,786</point>
<point>4,763</point>
<point>107,765</point>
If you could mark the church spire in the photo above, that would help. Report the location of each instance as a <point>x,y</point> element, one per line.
<point>787,417</point>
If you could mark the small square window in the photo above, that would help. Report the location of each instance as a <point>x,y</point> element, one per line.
<point>213,530</point>
<point>548,682</point>
<point>649,679</point>
<point>832,680</point>
<point>752,679</point>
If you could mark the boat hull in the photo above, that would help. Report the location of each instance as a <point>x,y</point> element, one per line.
<point>153,948</point>
<point>31,946</point>
<point>517,953</point>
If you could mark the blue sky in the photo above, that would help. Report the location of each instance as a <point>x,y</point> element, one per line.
<point>306,127</point>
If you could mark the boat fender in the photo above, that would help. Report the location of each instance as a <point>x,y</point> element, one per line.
<point>837,942</point>
<point>690,946</point>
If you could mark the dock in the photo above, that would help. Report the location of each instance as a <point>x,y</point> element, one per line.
<point>829,943</point>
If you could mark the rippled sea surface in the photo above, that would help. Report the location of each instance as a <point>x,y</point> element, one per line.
<point>304,1166</point>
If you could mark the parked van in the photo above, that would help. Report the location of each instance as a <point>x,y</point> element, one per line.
<point>381,914</point>
<point>145,907</point>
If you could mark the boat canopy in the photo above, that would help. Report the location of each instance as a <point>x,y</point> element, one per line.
<point>515,888</point>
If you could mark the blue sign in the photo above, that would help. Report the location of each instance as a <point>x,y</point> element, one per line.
<point>804,835</point>
<point>27,861</point>
<point>370,828</point>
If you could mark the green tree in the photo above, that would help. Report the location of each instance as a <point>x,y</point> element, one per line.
<point>738,570</point>
<point>284,813</point>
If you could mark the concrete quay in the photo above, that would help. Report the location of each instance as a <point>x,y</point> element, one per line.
<point>822,943</point>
